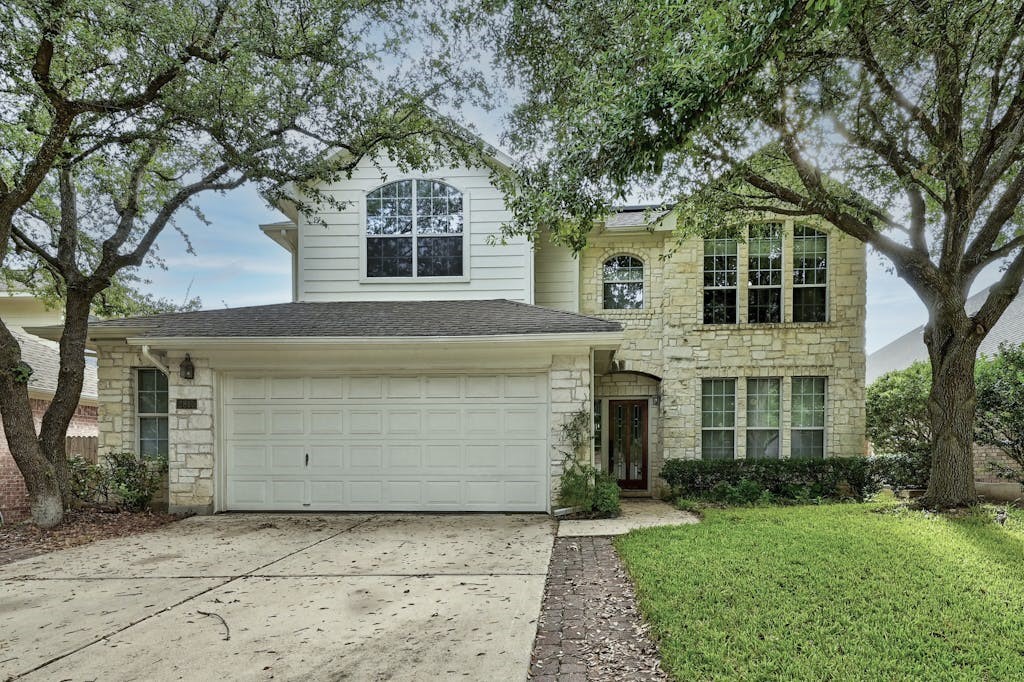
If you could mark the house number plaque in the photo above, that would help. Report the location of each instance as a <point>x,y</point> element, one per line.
<point>187,404</point>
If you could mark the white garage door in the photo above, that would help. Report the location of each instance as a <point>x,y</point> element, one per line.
<point>395,443</point>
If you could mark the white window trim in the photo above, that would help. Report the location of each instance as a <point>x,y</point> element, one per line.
<point>735,414</point>
<point>139,414</point>
<point>824,421</point>
<point>781,286</point>
<point>705,288</point>
<point>642,281</point>
<point>747,427</point>
<point>466,229</point>
<point>828,273</point>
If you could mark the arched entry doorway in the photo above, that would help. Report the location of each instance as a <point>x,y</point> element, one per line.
<point>627,428</point>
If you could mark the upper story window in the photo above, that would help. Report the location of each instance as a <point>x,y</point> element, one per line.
<point>414,228</point>
<point>720,278</point>
<point>810,275</point>
<point>623,283</point>
<point>764,263</point>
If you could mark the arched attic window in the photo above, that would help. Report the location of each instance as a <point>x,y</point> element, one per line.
<point>415,228</point>
<point>623,283</point>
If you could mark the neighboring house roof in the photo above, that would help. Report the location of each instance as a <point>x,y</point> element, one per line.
<point>363,319</point>
<point>44,358</point>
<point>635,216</point>
<point>910,347</point>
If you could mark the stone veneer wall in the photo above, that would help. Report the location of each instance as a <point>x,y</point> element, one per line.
<point>668,338</point>
<point>190,432</point>
<point>570,379</point>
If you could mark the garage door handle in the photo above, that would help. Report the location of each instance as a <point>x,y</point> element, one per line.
<point>307,459</point>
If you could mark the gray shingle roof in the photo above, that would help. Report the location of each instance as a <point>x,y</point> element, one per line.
<point>910,347</point>
<point>44,358</point>
<point>634,216</point>
<point>365,319</point>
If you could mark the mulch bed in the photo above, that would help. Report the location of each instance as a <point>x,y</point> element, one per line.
<point>22,540</point>
<point>589,627</point>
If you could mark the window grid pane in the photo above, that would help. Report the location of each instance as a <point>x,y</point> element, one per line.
<point>721,275</point>
<point>810,275</point>
<point>153,423</point>
<point>718,418</point>
<point>414,228</point>
<point>623,283</point>
<point>808,414</point>
<point>764,273</point>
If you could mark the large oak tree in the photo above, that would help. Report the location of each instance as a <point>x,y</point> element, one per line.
<point>117,115</point>
<point>900,122</point>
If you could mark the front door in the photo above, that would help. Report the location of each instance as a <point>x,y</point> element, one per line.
<point>627,450</point>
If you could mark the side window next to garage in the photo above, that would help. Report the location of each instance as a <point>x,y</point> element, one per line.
<point>151,412</point>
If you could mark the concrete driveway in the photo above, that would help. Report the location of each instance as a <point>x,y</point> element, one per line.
<point>283,597</point>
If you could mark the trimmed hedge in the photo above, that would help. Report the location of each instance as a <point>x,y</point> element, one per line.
<point>835,477</point>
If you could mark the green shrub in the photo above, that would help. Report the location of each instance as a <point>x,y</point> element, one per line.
<point>606,495</point>
<point>90,483</point>
<point>121,480</point>
<point>901,472</point>
<point>789,479</point>
<point>591,491</point>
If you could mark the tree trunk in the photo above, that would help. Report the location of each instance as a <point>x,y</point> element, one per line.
<point>54,428</point>
<point>45,495</point>
<point>952,345</point>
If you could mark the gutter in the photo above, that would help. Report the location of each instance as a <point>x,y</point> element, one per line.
<point>156,363</point>
<point>595,339</point>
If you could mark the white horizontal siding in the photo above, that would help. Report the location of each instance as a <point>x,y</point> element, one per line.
<point>330,252</point>
<point>556,276</point>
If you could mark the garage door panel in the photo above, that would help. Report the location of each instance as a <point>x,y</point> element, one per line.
<point>404,422</point>
<point>402,443</point>
<point>442,387</point>
<point>483,457</point>
<point>524,423</point>
<point>441,422</point>
<point>247,422</point>
<point>252,493</point>
<point>287,493</point>
<point>367,493</point>
<point>482,421</point>
<point>326,422</point>
<point>362,457</point>
<point>287,421</point>
<point>327,493</point>
<point>440,456</point>
<point>448,493</point>
<point>407,457</point>
<point>483,387</point>
<point>326,459</point>
<point>404,387</point>
<point>323,388</point>
<point>287,388</point>
<point>528,386</point>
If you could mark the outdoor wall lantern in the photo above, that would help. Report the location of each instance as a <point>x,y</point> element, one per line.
<point>186,369</point>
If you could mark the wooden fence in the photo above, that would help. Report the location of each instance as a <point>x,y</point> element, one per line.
<point>86,447</point>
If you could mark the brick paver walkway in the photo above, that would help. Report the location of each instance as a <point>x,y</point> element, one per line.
<point>589,627</point>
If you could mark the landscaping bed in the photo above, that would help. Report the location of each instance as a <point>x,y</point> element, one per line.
<point>833,591</point>
<point>24,539</point>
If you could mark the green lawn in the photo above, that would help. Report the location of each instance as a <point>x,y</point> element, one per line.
<point>833,592</point>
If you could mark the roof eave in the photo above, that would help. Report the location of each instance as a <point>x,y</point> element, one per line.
<point>606,339</point>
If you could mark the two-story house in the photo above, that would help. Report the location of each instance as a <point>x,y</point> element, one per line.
<point>427,364</point>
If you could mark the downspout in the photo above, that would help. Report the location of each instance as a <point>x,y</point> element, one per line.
<point>153,361</point>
